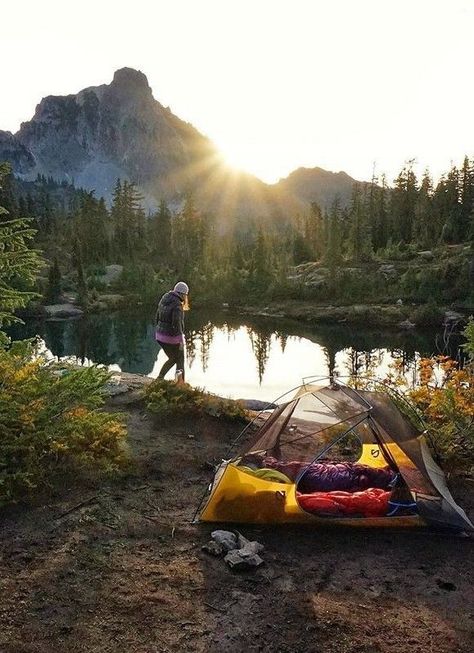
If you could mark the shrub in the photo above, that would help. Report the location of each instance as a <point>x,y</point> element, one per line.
<point>427,315</point>
<point>167,399</point>
<point>49,422</point>
<point>469,335</point>
<point>444,396</point>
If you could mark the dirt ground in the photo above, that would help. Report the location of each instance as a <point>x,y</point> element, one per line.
<point>124,571</point>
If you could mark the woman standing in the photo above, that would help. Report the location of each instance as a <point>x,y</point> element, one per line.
<point>170,327</point>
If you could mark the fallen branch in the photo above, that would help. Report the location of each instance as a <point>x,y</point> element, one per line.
<point>77,506</point>
<point>214,607</point>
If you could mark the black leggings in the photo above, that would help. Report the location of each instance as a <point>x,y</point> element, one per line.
<point>175,355</point>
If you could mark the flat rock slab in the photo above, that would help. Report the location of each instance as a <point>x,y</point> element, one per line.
<point>126,388</point>
<point>256,404</point>
<point>62,311</point>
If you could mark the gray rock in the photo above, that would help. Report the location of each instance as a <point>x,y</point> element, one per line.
<point>213,548</point>
<point>406,324</point>
<point>241,560</point>
<point>452,316</point>
<point>315,283</point>
<point>112,273</point>
<point>251,549</point>
<point>252,546</point>
<point>12,150</point>
<point>226,539</point>
<point>399,302</point>
<point>60,311</point>
<point>256,404</point>
<point>67,298</point>
<point>388,270</point>
<point>112,389</point>
<point>427,255</point>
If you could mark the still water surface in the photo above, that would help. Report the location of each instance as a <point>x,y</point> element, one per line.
<point>236,356</point>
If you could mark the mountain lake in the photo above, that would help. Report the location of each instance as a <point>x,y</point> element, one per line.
<point>237,356</point>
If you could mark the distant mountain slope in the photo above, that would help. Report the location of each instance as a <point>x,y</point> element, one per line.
<point>317,185</point>
<point>119,130</point>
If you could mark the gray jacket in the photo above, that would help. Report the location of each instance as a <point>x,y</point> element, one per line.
<point>170,316</point>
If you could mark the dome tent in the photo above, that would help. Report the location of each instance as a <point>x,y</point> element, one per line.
<point>302,440</point>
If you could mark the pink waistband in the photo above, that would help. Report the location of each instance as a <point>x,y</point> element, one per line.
<point>167,339</point>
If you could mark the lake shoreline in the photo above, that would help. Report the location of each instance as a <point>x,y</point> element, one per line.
<point>240,353</point>
<point>389,316</point>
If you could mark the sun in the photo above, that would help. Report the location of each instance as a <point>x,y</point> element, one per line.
<point>251,158</point>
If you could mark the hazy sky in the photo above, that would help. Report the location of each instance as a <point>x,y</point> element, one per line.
<point>277,84</point>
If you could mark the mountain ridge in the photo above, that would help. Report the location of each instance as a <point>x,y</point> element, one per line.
<point>119,130</point>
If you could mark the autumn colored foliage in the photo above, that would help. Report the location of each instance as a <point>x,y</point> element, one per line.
<point>50,423</point>
<point>444,396</point>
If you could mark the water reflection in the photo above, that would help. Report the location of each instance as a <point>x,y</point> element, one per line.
<point>239,356</point>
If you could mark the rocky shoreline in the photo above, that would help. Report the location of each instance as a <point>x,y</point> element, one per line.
<point>397,316</point>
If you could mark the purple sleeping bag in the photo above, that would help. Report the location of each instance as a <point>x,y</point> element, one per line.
<point>328,477</point>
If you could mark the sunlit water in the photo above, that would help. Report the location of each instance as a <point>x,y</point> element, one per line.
<point>235,356</point>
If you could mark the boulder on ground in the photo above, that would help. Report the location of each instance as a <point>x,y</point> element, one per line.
<point>112,273</point>
<point>241,560</point>
<point>226,539</point>
<point>451,317</point>
<point>427,255</point>
<point>388,270</point>
<point>62,311</point>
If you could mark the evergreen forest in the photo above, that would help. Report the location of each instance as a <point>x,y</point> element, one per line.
<point>410,240</point>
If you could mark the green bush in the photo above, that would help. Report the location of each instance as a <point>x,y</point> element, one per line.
<point>49,423</point>
<point>468,333</point>
<point>167,399</point>
<point>428,315</point>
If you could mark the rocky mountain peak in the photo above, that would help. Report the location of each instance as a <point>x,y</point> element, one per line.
<point>118,130</point>
<point>131,80</point>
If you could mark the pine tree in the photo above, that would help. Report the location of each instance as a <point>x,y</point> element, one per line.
<point>359,239</point>
<point>423,231</point>
<point>54,283</point>
<point>92,228</point>
<point>260,265</point>
<point>380,231</point>
<point>82,290</point>
<point>333,248</point>
<point>313,231</point>
<point>161,232</point>
<point>190,231</point>
<point>467,198</point>
<point>403,203</point>
<point>18,263</point>
<point>451,208</point>
<point>7,196</point>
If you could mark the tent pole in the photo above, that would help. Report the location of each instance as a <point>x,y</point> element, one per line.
<point>327,447</point>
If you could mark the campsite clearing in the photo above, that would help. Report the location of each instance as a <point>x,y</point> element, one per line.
<point>116,567</point>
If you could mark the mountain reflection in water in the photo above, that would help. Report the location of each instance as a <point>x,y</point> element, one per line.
<point>237,356</point>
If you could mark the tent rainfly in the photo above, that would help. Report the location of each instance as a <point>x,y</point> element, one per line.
<point>335,455</point>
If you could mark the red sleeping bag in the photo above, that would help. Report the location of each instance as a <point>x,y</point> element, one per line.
<point>367,503</point>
